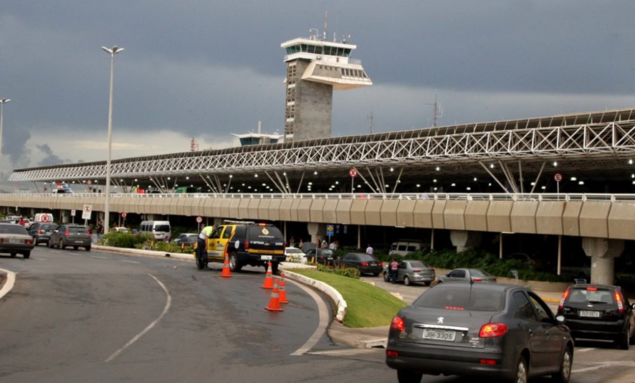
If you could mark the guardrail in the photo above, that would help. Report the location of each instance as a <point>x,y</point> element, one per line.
<point>596,197</point>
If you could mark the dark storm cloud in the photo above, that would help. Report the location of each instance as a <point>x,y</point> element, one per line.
<point>14,145</point>
<point>50,158</point>
<point>212,68</point>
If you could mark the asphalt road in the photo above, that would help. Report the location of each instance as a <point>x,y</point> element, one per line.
<point>76,316</point>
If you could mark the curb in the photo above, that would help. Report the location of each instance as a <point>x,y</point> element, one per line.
<point>326,289</point>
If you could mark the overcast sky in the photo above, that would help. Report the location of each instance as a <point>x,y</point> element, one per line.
<point>204,69</point>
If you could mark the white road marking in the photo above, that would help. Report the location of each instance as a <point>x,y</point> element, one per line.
<point>123,260</point>
<point>8,284</point>
<point>604,365</point>
<point>150,326</point>
<point>98,257</point>
<point>323,323</point>
<point>584,350</point>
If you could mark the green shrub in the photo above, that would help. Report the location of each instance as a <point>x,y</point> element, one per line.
<point>346,272</point>
<point>126,240</point>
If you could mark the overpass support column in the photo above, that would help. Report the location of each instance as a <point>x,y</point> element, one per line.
<point>465,240</point>
<point>315,230</point>
<point>603,253</point>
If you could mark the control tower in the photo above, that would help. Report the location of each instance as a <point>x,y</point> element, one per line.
<point>316,67</point>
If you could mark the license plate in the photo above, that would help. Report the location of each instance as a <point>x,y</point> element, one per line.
<point>439,334</point>
<point>79,241</point>
<point>13,240</point>
<point>373,264</point>
<point>265,257</point>
<point>589,314</point>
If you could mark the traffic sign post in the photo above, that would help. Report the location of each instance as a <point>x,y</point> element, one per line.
<point>73,215</point>
<point>199,219</point>
<point>353,174</point>
<point>557,177</point>
<point>86,213</point>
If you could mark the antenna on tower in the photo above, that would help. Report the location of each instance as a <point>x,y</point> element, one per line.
<point>370,125</point>
<point>193,145</point>
<point>326,19</point>
<point>437,111</point>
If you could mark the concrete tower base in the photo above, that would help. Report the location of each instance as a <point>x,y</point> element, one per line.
<point>603,253</point>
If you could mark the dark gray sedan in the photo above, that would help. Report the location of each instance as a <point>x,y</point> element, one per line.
<point>70,235</point>
<point>365,263</point>
<point>486,330</point>
<point>411,271</point>
<point>467,275</point>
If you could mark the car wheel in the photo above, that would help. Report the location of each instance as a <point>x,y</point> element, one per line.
<point>564,374</point>
<point>13,254</point>
<point>406,280</point>
<point>234,264</point>
<point>631,341</point>
<point>26,255</point>
<point>61,244</point>
<point>386,277</point>
<point>521,371</point>
<point>376,274</point>
<point>75,247</point>
<point>87,248</point>
<point>624,340</point>
<point>404,376</point>
<point>49,244</point>
<point>274,268</point>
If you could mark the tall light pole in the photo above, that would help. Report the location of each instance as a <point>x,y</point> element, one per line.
<point>2,102</point>
<point>112,52</point>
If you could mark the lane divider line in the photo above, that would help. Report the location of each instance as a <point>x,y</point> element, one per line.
<point>323,322</point>
<point>8,284</point>
<point>168,303</point>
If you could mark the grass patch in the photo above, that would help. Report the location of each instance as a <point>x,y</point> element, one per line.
<point>368,305</point>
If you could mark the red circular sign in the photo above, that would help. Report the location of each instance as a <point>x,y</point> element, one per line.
<point>123,214</point>
<point>199,219</point>
<point>352,172</point>
<point>557,177</point>
<point>45,218</point>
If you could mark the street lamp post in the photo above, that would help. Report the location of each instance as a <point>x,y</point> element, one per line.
<point>2,102</point>
<point>112,52</point>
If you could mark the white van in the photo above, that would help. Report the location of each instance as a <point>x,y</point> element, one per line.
<point>404,247</point>
<point>161,230</point>
<point>43,217</point>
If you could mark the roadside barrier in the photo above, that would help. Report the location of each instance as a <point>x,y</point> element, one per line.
<point>226,270</point>
<point>282,290</point>
<point>274,301</point>
<point>268,279</point>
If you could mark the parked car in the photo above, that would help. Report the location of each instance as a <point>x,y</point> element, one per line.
<point>321,256</point>
<point>411,271</point>
<point>485,330</point>
<point>365,263</point>
<point>41,232</point>
<point>120,229</point>
<point>404,247</point>
<point>599,312</point>
<point>293,254</point>
<point>528,261</point>
<point>14,239</point>
<point>186,239</point>
<point>466,275</point>
<point>70,235</point>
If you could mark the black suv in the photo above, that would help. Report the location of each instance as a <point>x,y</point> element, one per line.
<point>247,243</point>
<point>599,312</point>
<point>41,232</point>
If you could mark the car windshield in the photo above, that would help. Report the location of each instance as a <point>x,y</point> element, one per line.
<point>12,229</point>
<point>479,273</point>
<point>418,264</point>
<point>48,226</point>
<point>293,251</point>
<point>76,229</point>
<point>162,228</point>
<point>265,232</point>
<point>365,257</point>
<point>454,298</point>
<point>327,252</point>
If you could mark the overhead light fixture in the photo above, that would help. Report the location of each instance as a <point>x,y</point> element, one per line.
<point>491,166</point>
<point>555,163</point>
<point>438,168</point>
<point>468,188</point>
<point>580,182</point>
<point>544,187</point>
<point>574,178</point>
<point>474,179</point>
<point>453,184</point>
<point>630,162</point>
<point>418,185</point>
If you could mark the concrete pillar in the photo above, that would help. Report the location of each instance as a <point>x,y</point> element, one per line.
<point>603,253</point>
<point>465,240</point>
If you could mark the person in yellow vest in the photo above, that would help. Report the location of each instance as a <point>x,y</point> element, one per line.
<point>208,230</point>
<point>200,251</point>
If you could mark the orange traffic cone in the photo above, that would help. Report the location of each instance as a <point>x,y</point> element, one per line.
<point>274,302</point>
<point>268,279</point>
<point>226,270</point>
<point>282,290</point>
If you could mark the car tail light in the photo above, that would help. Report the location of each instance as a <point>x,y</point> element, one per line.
<point>477,280</point>
<point>493,279</point>
<point>591,289</point>
<point>392,353</point>
<point>488,361</point>
<point>87,231</point>
<point>67,232</point>
<point>454,308</point>
<point>397,324</point>
<point>492,330</point>
<point>246,245</point>
<point>40,231</point>
<point>1,240</point>
<point>618,299</point>
<point>28,241</point>
<point>262,224</point>
<point>564,297</point>
<point>416,271</point>
<point>364,264</point>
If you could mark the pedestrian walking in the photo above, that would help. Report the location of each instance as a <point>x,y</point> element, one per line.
<point>394,267</point>
<point>369,250</point>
